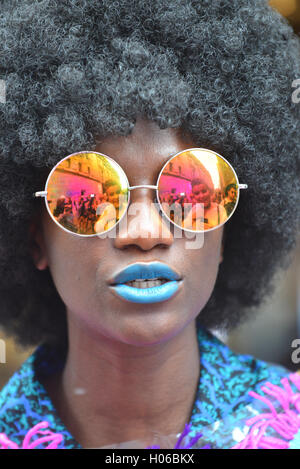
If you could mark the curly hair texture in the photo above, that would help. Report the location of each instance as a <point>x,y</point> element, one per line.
<point>230,186</point>
<point>220,70</point>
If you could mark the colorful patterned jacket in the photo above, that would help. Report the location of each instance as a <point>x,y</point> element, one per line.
<point>241,402</point>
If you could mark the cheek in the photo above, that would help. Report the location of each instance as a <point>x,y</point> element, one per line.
<point>203,266</point>
<point>73,264</point>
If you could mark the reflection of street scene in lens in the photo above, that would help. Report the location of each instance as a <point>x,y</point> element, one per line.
<point>198,190</point>
<point>87,193</point>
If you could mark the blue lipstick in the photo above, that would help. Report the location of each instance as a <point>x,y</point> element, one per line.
<point>146,271</point>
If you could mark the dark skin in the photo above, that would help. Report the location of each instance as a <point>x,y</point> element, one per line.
<point>136,365</point>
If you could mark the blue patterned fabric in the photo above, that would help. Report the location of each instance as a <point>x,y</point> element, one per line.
<point>222,394</point>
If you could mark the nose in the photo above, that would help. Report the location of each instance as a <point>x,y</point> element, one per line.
<point>143,225</point>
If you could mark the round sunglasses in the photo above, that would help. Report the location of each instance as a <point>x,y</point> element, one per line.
<point>88,193</point>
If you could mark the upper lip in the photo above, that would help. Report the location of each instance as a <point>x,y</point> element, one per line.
<point>145,270</point>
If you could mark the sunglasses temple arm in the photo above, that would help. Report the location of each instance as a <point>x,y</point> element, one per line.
<point>146,186</point>
<point>40,194</point>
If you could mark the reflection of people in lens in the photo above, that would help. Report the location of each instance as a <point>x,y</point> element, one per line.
<point>113,191</point>
<point>66,219</point>
<point>218,196</point>
<point>207,214</point>
<point>60,206</point>
<point>101,204</point>
<point>230,198</point>
<point>63,213</point>
<point>81,213</point>
<point>91,214</point>
<point>113,208</point>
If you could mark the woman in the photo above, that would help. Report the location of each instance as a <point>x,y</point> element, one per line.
<point>110,369</point>
<point>204,213</point>
<point>112,210</point>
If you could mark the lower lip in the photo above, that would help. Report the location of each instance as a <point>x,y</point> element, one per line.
<point>147,295</point>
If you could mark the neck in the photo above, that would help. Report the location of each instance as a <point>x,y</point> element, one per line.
<point>111,392</point>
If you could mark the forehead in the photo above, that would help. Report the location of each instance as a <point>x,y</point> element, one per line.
<point>143,153</point>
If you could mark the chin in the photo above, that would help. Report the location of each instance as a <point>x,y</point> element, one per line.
<point>152,331</point>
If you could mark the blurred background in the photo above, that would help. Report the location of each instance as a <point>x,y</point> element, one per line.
<point>268,335</point>
<point>290,9</point>
<point>277,323</point>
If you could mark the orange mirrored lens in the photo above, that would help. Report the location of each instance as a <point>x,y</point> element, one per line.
<point>198,190</point>
<point>87,193</point>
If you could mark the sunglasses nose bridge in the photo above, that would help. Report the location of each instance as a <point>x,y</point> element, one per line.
<point>146,186</point>
<point>137,195</point>
<point>144,196</point>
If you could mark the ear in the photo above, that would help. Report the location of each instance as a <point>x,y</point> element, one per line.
<point>37,244</point>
